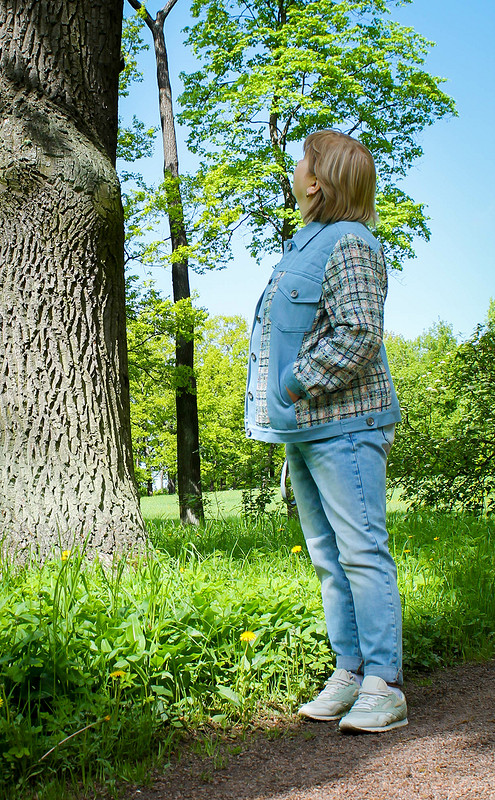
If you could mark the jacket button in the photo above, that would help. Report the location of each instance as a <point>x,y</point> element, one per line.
<point>248,432</point>
<point>258,319</point>
<point>250,395</point>
<point>294,293</point>
<point>370,421</point>
<point>253,356</point>
<point>289,245</point>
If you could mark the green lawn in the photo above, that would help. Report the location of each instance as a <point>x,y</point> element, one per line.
<point>220,505</point>
<point>217,505</point>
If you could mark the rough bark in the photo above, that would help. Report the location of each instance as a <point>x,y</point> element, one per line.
<point>188,458</point>
<point>66,471</point>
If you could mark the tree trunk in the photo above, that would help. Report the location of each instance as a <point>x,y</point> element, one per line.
<point>65,447</point>
<point>288,227</point>
<point>186,404</point>
<point>188,458</point>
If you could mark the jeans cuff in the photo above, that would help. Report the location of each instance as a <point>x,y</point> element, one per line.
<point>388,674</point>
<point>350,663</point>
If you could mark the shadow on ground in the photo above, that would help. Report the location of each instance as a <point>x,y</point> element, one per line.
<point>446,753</point>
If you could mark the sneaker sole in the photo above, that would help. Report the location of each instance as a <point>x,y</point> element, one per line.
<point>350,728</point>
<point>322,719</point>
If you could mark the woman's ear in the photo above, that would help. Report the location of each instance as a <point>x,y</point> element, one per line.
<point>313,189</point>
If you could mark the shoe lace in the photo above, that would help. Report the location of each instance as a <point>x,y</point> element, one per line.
<point>366,701</point>
<point>333,685</point>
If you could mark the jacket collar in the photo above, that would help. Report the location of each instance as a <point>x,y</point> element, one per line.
<point>304,235</point>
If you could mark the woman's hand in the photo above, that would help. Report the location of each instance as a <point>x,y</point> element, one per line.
<point>293,397</point>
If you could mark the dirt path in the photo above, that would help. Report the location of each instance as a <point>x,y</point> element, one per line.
<point>447,752</point>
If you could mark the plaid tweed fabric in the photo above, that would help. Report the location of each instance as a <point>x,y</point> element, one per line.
<point>339,362</point>
<point>261,406</point>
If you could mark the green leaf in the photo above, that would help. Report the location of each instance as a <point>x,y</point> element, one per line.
<point>230,695</point>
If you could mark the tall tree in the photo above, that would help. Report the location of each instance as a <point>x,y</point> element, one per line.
<point>271,72</point>
<point>65,449</point>
<point>188,458</point>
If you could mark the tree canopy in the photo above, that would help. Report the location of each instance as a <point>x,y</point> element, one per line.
<point>272,72</point>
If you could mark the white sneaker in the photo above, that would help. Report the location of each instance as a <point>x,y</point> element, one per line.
<point>338,696</point>
<point>378,708</point>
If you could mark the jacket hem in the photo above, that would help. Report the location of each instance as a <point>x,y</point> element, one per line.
<point>326,430</point>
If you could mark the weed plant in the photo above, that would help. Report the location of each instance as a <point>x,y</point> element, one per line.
<point>101,667</point>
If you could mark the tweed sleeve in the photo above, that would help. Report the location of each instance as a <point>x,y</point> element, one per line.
<point>348,329</point>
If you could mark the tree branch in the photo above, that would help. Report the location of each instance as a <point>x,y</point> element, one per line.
<point>355,127</point>
<point>285,130</point>
<point>165,11</point>
<point>249,9</point>
<point>137,6</point>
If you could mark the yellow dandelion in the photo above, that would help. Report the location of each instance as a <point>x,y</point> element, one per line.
<point>118,673</point>
<point>65,555</point>
<point>407,551</point>
<point>436,538</point>
<point>248,636</point>
<point>181,569</point>
<point>296,549</point>
<point>1,702</point>
<point>106,718</point>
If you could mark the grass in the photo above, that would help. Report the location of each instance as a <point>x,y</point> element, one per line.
<point>217,505</point>
<point>222,505</point>
<point>102,668</point>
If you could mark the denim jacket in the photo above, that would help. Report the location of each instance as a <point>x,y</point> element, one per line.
<point>318,331</point>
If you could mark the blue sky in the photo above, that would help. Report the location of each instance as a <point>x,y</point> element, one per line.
<point>453,276</point>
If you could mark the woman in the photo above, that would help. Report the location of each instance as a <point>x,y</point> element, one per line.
<point>320,382</point>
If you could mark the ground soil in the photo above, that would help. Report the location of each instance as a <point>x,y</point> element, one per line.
<point>447,752</point>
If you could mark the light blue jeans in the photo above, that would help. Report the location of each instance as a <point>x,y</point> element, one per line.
<point>339,487</point>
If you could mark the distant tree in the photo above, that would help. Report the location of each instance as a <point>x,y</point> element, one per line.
<point>229,459</point>
<point>444,454</point>
<point>150,337</point>
<point>272,71</point>
<point>66,468</point>
<point>188,458</point>
<point>153,324</point>
<point>221,357</point>
<point>473,384</point>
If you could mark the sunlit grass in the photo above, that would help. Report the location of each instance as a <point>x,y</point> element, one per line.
<point>101,667</point>
<point>222,505</point>
<point>217,505</point>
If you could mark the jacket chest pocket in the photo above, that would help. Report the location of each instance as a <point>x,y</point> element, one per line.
<point>294,303</point>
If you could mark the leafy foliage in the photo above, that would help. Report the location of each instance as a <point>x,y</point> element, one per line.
<point>273,72</point>
<point>135,141</point>
<point>228,458</point>
<point>152,326</point>
<point>444,453</point>
<point>101,664</point>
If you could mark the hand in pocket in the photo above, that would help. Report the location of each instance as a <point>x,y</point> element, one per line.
<point>293,397</point>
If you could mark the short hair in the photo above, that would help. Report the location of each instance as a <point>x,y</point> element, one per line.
<point>346,173</point>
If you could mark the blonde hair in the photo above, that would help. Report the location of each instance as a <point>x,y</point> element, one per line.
<point>346,174</point>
